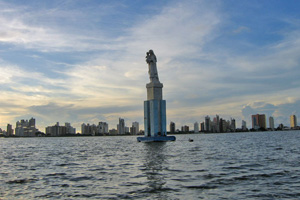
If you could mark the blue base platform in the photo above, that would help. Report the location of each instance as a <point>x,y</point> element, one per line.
<point>156,139</point>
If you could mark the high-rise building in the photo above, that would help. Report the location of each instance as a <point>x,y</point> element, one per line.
<point>223,125</point>
<point>127,130</point>
<point>70,129</point>
<point>293,121</point>
<point>202,127</point>
<point>25,128</point>
<point>207,124</point>
<point>259,121</point>
<point>84,129</point>
<point>92,129</point>
<point>216,124</point>
<point>56,130</point>
<point>134,129</point>
<point>31,123</point>
<point>9,130</point>
<point>232,125</point>
<point>271,123</point>
<point>185,129</point>
<point>244,125</point>
<point>103,127</point>
<point>121,126</point>
<point>196,127</point>
<point>172,127</point>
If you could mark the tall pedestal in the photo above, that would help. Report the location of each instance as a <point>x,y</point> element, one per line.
<point>155,118</point>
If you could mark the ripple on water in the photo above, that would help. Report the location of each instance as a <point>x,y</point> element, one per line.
<point>22,181</point>
<point>223,166</point>
<point>56,174</point>
<point>82,178</point>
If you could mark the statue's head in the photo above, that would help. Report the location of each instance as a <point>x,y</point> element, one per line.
<point>151,51</point>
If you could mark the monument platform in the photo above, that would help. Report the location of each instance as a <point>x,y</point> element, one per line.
<point>156,139</point>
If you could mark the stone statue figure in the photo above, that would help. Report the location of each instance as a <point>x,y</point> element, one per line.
<point>151,60</point>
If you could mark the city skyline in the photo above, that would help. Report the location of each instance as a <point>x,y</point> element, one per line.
<point>27,127</point>
<point>84,62</point>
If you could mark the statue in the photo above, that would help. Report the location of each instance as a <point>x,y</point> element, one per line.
<point>151,60</point>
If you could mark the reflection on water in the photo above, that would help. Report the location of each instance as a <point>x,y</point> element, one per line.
<point>155,162</point>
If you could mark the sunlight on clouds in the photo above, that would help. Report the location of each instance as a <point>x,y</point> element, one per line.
<point>179,29</point>
<point>100,70</point>
<point>42,37</point>
<point>99,85</point>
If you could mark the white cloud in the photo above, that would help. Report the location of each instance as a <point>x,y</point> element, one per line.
<point>200,76</point>
<point>31,29</point>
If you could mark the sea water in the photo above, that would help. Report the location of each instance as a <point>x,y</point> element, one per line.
<point>258,165</point>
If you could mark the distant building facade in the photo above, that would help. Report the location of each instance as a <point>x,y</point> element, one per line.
<point>216,124</point>
<point>70,129</point>
<point>232,125</point>
<point>196,127</point>
<point>9,130</point>
<point>58,130</point>
<point>293,121</point>
<point>103,128</point>
<point>92,129</point>
<point>207,124</point>
<point>172,127</point>
<point>26,128</point>
<point>121,126</point>
<point>134,129</point>
<point>271,123</point>
<point>127,130</point>
<point>185,129</point>
<point>259,121</point>
<point>244,125</point>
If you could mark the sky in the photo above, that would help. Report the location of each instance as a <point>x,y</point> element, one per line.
<point>84,61</point>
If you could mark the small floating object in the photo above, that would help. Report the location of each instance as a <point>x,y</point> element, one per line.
<point>191,140</point>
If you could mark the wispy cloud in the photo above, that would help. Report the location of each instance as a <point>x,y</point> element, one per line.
<point>88,61</point>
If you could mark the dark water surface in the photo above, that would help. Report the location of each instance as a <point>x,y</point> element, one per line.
<point>262,165</point>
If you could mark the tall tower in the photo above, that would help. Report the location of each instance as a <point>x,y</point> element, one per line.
<point>196,127</point>
<point>271,123</point>
<point>207,124</point>
<point>172,127</point>
<point>10,130</point>
<point>259,121</point>
<point>293,121</point>
<point>244,125</point>
<point>135,128</point>
<point>121,126</point>
<point>155,117</point>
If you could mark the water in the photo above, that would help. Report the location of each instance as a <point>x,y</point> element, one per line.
<point>216,166</point>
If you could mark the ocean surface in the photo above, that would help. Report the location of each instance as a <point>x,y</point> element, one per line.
<point>260,165</point>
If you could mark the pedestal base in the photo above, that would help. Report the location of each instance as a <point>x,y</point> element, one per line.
<point>156,139</point>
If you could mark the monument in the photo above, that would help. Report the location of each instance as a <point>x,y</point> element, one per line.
<point>155,118</point>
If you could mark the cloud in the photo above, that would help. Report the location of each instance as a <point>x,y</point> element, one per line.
<point>280,112</point>
<point>91,59</point>
<point>43,29</point>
